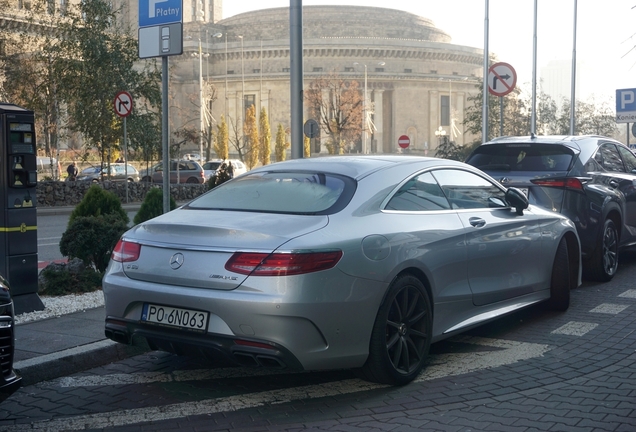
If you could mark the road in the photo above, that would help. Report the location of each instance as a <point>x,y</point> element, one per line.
<point>50,230</point>
<point>533,370</point>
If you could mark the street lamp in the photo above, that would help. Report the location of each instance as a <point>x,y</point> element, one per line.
<point>440,133</point>
<point>242,79</point>
<point>365,120</point>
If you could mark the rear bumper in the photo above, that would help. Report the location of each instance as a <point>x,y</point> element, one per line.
<point>215,348</point>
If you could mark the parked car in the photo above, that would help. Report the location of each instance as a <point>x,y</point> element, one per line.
<point>338,262</point>
<point>589,179</point>
<point>117,172</point>
<point>146,173</point>
<point>10,381</point>
<point>186,171</point>
<point>211,167</point>
<point>192,156</point>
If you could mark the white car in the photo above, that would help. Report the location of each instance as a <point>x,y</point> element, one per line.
<point>210,167</point>
<point>192,156</point>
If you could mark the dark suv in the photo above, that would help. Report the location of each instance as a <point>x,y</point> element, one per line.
<point>590,179</point>
<point>10,381</point>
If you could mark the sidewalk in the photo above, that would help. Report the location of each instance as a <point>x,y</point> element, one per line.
<point>54,347</point>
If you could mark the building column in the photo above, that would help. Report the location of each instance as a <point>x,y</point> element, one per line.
<point>376,137</point>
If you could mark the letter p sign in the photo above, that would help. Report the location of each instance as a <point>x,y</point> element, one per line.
<point>627,98</point>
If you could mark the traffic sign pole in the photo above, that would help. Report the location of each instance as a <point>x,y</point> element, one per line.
<point>502,80</point>
<point>123,105</point>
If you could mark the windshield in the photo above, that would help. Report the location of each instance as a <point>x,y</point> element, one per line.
<point>280,192</point>
<point>521,157</point>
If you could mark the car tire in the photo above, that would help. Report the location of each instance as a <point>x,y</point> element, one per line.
<point>603,264</point>
<point>401,335</point>
<point>146,179</point>
<point>192,180</point>
<point>560,280</point>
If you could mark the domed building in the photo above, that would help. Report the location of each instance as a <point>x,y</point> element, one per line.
<point>417,81</point>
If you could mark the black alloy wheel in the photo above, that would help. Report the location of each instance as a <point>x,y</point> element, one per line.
<point>401,335</point>
<point>604,263</point>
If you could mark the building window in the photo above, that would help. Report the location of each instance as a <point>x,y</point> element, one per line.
<point>444,110</point>
<point>408,70</point>
<point>63,7</point>
<point>285,69</point>
<point>317,69</point>
<point>248,101</point>
<point>379,69</point>
<point>433,71</point>
<point>230,72</point>
<point>256,71</point>
<point>50,7</point>
<point>348,69</point>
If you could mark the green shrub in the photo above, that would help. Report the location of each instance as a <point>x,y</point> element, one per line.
<point>99,202</point>
<point>93,238</point>
<point>58,281</point>
<point>152,206</point>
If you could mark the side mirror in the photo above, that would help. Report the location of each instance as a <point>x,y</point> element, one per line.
<point>517,199</point>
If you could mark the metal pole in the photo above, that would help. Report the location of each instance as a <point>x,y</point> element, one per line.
<point>165,134</point>
<point>501,112</point>
<point>364,115</point>
<point>484,109</point>
<point>573,93</point>
<point>226,98</point>
<point>261,69</point>
<point>201,122</point>
<point>296,79</point>
<point>126,159</point>
<point>242,103</point>
<point>533,118</point>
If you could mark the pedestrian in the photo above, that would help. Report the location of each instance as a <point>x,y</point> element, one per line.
<point>230,170</point>
<point>72,171</point>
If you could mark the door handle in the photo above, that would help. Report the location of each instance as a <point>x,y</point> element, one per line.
<point>477,222</point>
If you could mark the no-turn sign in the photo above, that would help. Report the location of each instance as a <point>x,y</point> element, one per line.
<point>404,141</point>
<point>123,104</point>
<point>502,79</point>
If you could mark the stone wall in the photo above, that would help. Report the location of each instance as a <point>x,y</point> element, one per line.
<point>58,193</point>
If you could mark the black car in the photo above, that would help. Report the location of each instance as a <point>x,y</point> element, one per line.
<point>10,381</point>
<point>590,179</point>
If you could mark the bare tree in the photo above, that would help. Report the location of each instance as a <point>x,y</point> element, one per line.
<point>338,105</point>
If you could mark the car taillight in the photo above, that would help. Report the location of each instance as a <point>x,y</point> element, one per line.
<point>565,183</point>
<point>126,251</point>
<point>281,264</point>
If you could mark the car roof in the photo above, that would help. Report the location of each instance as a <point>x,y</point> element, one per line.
<point>355,166</point>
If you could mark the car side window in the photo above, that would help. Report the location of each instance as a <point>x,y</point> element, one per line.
<point>628,159</point>
<point>610,158</point>
<point>421,193</point>
<point>466,190</point>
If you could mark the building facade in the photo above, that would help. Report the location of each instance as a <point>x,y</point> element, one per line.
<point>417,80</point>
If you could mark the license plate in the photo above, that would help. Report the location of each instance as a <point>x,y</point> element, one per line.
<point>175,317</point>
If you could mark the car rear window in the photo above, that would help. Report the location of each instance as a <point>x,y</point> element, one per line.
<point>280,192</point>
<point>521,157</point>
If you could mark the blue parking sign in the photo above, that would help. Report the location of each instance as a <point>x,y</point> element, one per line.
<point>158,12</point>
<point>625,105</point>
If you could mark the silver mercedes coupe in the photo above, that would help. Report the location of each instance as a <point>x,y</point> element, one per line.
<point>356,262</point>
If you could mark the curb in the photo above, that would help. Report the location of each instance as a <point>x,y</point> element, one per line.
<point>73,360</point>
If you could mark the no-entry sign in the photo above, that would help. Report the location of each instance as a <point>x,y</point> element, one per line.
<point>404,141</point>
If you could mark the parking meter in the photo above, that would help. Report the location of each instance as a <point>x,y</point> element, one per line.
<point>18,216</point>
